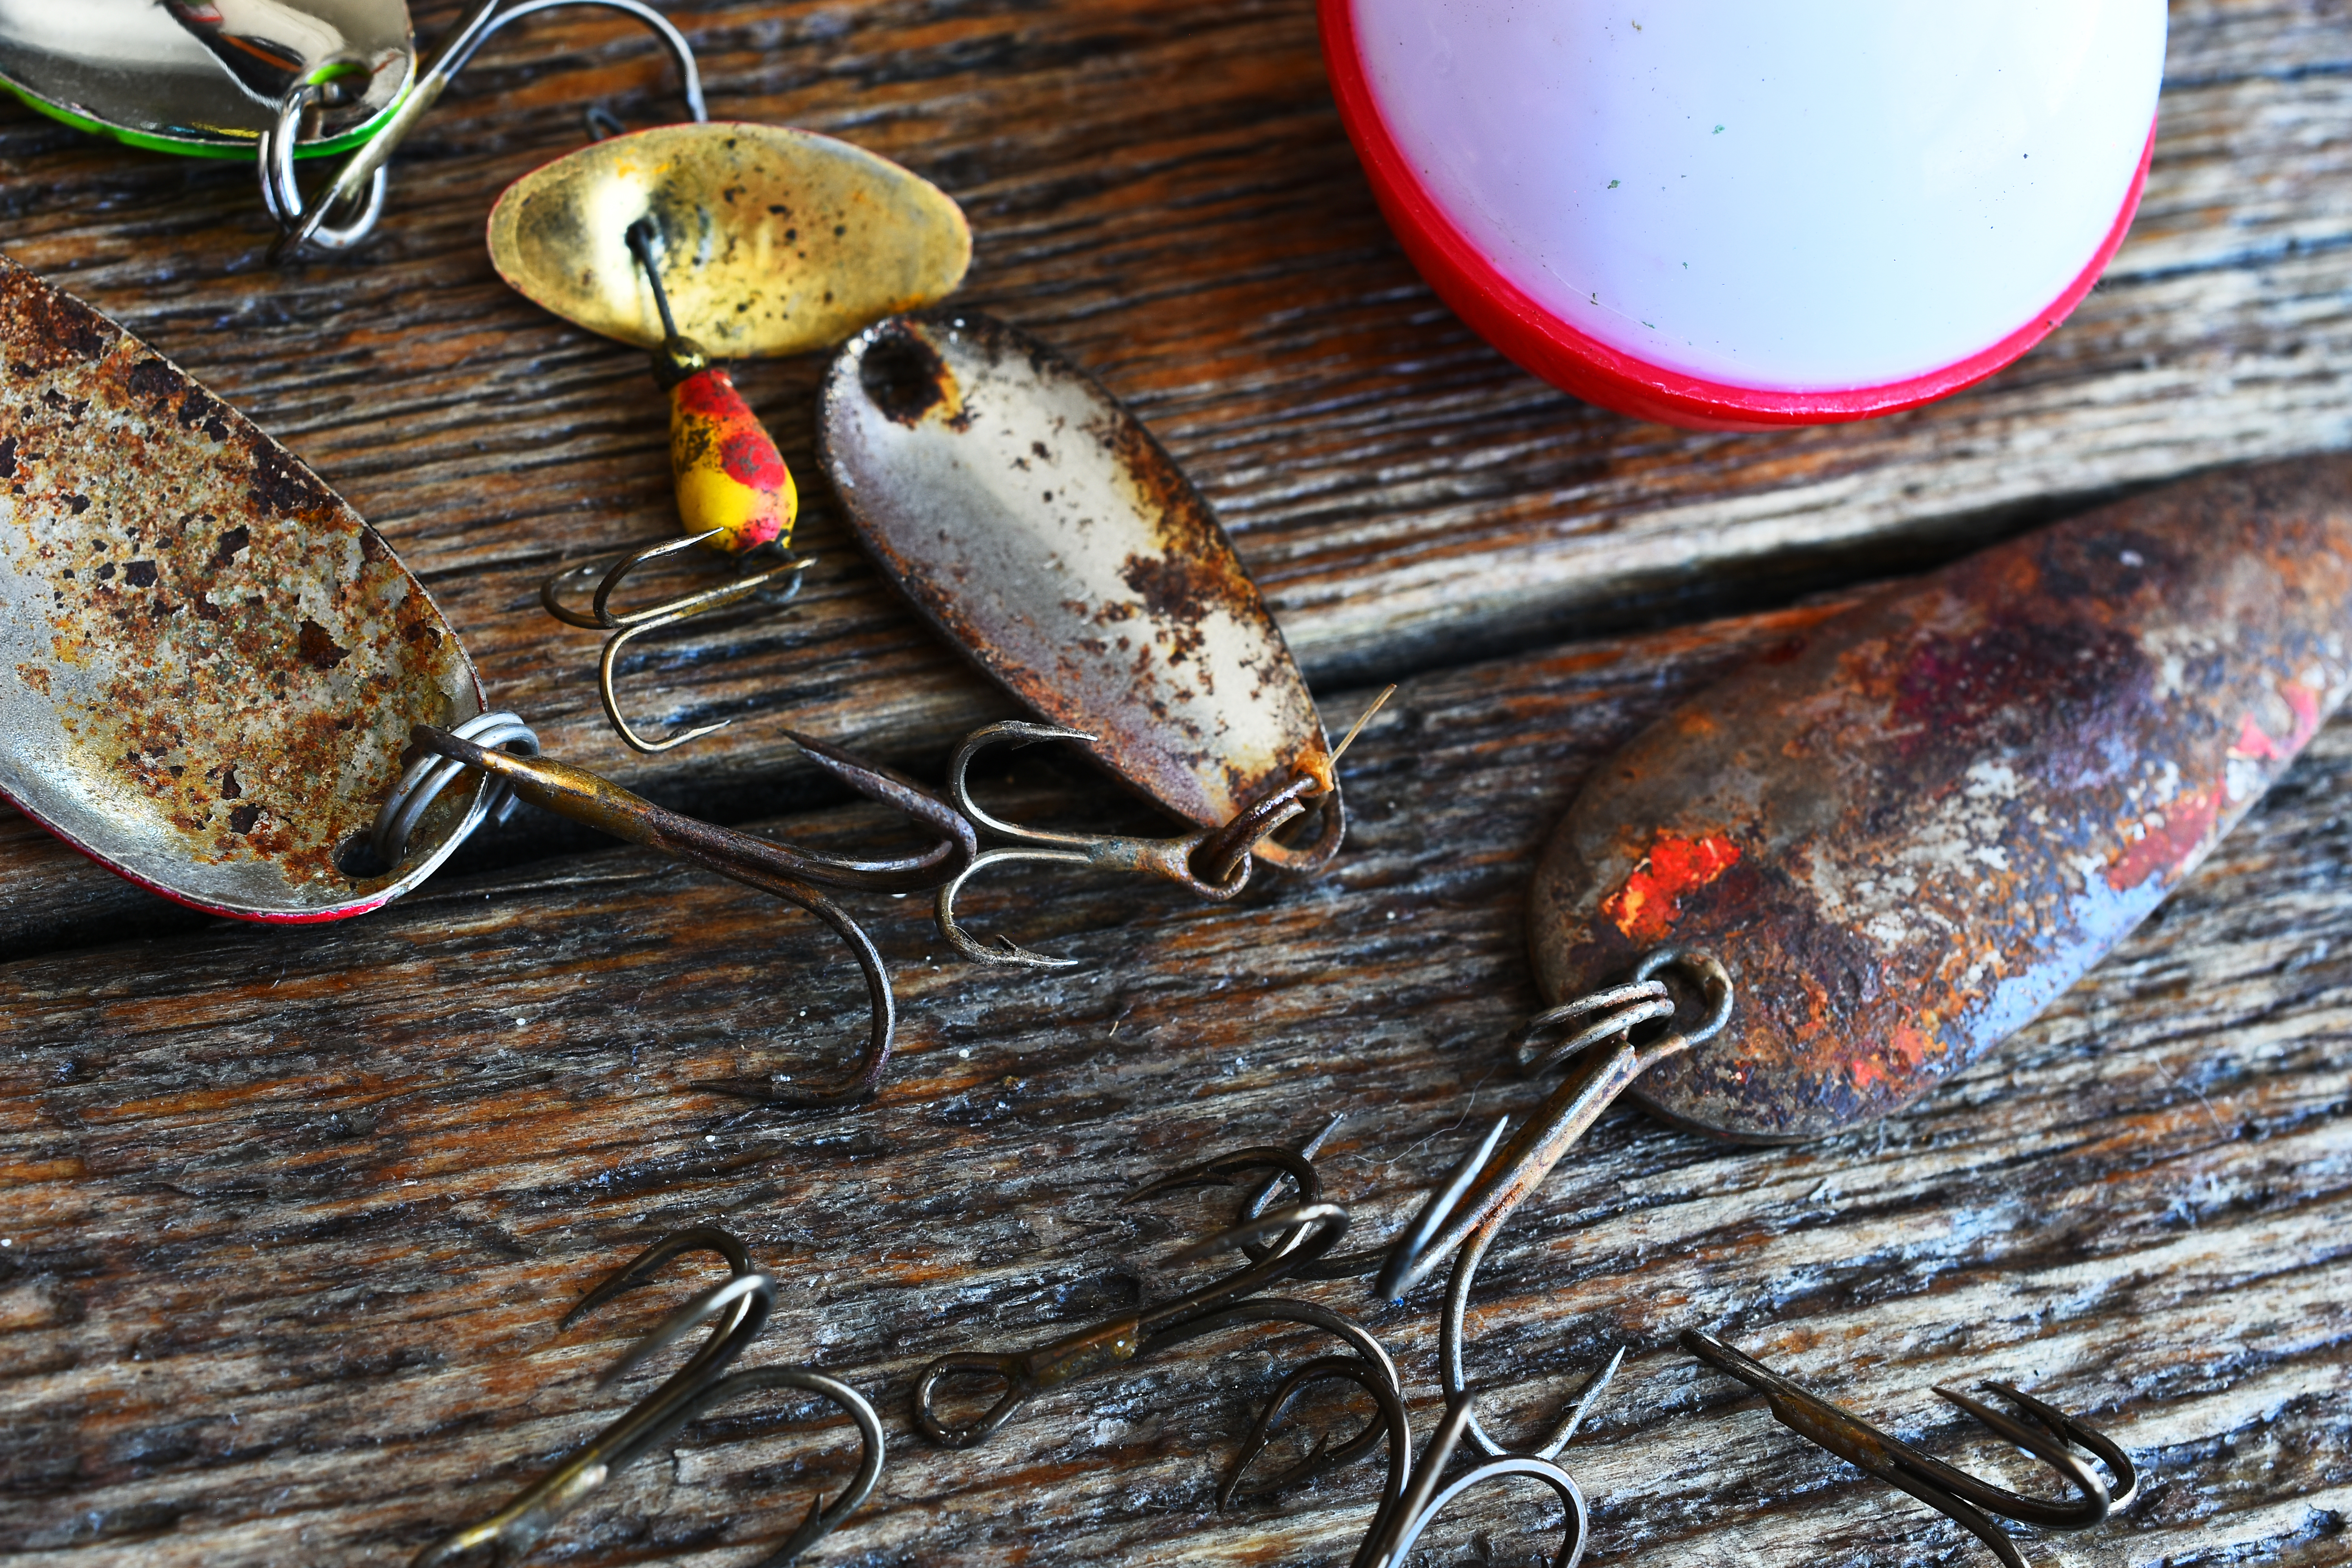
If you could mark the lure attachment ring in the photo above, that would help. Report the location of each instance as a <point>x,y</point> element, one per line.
<point>424,780</point>
<point>358,187</point>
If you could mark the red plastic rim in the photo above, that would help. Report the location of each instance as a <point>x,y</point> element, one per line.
<point>1503,313</point>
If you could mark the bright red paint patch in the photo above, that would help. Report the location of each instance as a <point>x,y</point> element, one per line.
<point>2167,846</point>
<point>711,393</point>
<point>750,458</point>
<point>2253,743</point>
<point>2306,703</point>
<point>1650,902</point>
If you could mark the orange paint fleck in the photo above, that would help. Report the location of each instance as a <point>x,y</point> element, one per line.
<point>2169,842</point>
<point>1650,902</point>
<point>1913,1045</point>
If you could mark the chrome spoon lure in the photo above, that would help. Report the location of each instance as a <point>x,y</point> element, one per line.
<point>1039,528</point>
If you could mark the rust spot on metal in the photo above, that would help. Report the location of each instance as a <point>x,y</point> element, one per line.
<point>134,497</point>
<point>905,377</point>
<point>1948,803</point>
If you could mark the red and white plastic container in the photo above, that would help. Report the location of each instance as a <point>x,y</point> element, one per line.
<point>1734,215</point>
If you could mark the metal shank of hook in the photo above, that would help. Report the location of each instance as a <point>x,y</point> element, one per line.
<point>1210,863</point>
<point>1952,1492</point>
<point>780,869</point>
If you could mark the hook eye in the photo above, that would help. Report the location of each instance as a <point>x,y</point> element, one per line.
<point>1018,1386</point>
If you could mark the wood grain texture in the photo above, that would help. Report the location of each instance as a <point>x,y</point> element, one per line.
<point>291,1215</point>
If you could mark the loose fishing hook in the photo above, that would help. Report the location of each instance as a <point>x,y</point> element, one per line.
<point>1134,1335</point>
<point>1477,1199</point>
<point>1400,1521</point>
<point>781,870</point>
<point>1213,864</point>
<point>1354,1265</point>
<point>1389,1421</point>
<point>1953,1492</point>
<point>821,1520</point>
<point>740,1303</point>
<point>358,188</point>
<point>753,517</point>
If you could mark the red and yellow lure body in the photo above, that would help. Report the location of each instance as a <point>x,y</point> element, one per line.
<point>734,491</point>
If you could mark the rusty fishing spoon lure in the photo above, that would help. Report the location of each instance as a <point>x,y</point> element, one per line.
<point>218,681</point>
<point>770,242</point>
<point>1039,528</point>
<point>1879,850</point>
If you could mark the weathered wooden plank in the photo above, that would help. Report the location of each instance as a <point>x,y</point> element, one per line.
<point>1166,196</point>
<point>291,1214</point>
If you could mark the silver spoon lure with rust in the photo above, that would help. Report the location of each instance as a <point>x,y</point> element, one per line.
<point>217,680</point>
<point>1039,528</point>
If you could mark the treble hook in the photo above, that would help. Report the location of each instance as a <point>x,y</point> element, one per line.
<point>1132,1336</point>
<point>1953,1492</point>
<point>359,186</point>
<point>1213,864</point>
<point>1508,1179</point>
<point>1401,1520</point>
<point>750,517</point>
<point>758,863</point>
<point>1478,1198</point>
<point>740,1302</point>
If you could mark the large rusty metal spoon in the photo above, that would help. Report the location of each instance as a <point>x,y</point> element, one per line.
<point>1039,528</point>
<point>1879,850</point>
<point>215,677</point>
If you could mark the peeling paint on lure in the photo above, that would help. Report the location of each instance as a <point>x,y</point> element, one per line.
<point>219,682</point>
<point>1885,846</point>
<point>1039,528</point>
<point>1908,832</point>
<point>772,242</point>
